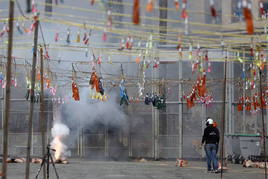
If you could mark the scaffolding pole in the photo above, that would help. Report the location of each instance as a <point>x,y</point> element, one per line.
<point>30,120</point>
<point>42,121</point>
<point>223,113</point>
<point>263,125</point>
<point>7,96</point>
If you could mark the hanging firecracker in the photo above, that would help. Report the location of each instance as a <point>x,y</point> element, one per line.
<point>92,2</point>
<point>68,38</point>
<point>78,37</point>
<point>190,99</point>
<point>129,43</point>
<point>247,103</point>
<point>248,16</point>
<point>136,12</point>
<point>212,9</point>
<point>28,86</point>
<point>75,91</point>
<point>104,36</point>
<point>96,82</point>
<point>255,102</point>
<point>238,10</point>
<point>150,6</point>
<point>56,38</point>
<point>262,10</point>
<point>184,13</point>
<point>99,60</point>
<point>122,44</point>
<point>240,104</point>
<point>19,28</point>
<point>157,101</point>
<point>4,30</point>
<point>14,82</point>
<point>34,7</point>
<point>2,79</point>
<point>156,62</point>
<point>177,5</point>
<point>138,59</point>
<point>86,38</point>
<point>123,93</point>
<point>109,19</point>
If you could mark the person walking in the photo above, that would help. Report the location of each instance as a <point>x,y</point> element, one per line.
<point>211,138</point>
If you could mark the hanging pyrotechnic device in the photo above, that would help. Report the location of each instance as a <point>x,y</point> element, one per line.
<point>247,6</point>
<point>68,37</point>
<point>124,99</point>
<point>19,28</point>
<point>28,82</point>
<point>75,89</point>
<point>14,79</point>
<point>177,4</point>
<point>150,6</point>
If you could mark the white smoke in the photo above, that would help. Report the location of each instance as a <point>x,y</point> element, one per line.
<point>59,131</point>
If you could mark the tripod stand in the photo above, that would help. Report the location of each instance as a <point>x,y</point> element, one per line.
<point>46,159</point>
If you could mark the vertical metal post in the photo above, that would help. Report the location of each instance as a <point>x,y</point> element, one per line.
<point>28,6</point>
<point>155,121</point>
<point>244,94</point>
<point>232,91</point>
<point>42,121</point>
<point>230,98</point>
<point>263,125</point>
<point>223,113</point>
<point>180,111</point>
<point>30,122</point>
<point>8,89</point>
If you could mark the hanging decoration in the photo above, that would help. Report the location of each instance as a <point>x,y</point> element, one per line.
<point>238,11</point>
<point>212,9</point>
<point>129,43</point>
<point>248,16</point>
<point>150,6</point>
<point>78,37</point>
<point>68,38</point>
<point>123,90</point>
<point>92,2</point>
<point>199,91</point>
<point>4,30</point>
<point>75,89</point>
<point>19,28</point>
<point>96,82</point>
<point>184,15</point>
<point>136,12</point>
<point>34,7</point>
<point>155,100</point>
<point>56,37</point>
<point>262,10</point>
<point>177,5</point>
<point>179,46</point>
<point>141,82</point>
<point>109,19</point>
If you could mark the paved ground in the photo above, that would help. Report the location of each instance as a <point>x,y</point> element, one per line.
<point>83,169</point>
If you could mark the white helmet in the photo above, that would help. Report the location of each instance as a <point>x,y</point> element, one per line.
<point>209,121</point>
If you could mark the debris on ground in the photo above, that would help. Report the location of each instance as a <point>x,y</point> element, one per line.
<point>255,164</point>
<point>142,160</point>
<point>181,163</point>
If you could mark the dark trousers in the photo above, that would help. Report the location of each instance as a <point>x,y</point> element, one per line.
<point>211,153</point>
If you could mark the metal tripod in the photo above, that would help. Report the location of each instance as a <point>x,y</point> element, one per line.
<point>46,159</point>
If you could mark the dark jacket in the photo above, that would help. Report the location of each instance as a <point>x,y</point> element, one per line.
<point>211,135</point>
